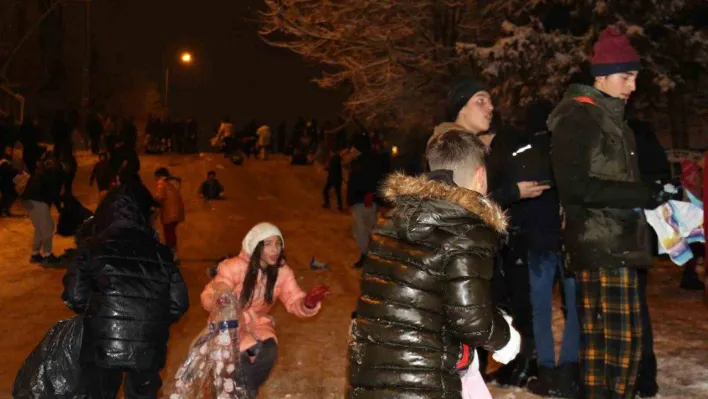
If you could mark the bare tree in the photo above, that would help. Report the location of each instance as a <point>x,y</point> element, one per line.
<point>396,56</point>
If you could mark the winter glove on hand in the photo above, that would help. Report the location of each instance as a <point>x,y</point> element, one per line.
<point>315,296</point>
<point>369,200</point>
<point>660,196</point>
<point>512,348</point>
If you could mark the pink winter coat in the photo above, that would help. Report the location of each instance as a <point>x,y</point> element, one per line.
<point>258,323</point>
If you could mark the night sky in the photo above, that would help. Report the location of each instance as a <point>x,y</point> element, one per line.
<point>235,73</point>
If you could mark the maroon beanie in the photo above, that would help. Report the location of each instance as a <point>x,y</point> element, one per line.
<point>613,54</point>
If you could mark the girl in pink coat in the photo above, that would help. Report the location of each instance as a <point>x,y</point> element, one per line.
<point>258,277</point>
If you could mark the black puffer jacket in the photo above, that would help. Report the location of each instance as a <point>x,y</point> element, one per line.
<point>425,291</point>
<point>127,285</point>
<point>595,165</point>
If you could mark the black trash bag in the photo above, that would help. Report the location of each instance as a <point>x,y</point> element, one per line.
<point>72,216</point>
<point>52,370</point>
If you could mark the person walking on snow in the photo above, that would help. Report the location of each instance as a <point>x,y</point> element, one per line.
<point>606,235</point>
<point>43,190</point>
<point>364,175</point>
<point>259,276</point>
<point>171,207</point>
<point>129,291</point>
<point>426,296</point>
<point>334,180</point>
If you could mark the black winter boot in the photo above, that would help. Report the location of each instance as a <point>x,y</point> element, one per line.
<point>517,373</point>
<point>646,385</point>
<point>543,385</point>
<point>560,382</point>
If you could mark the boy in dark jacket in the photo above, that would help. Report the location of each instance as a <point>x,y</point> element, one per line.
<point>426,299</point>
<point>130,291</point>
<point>211,187</point>
<point>103,175</point>
<point>606,236</point>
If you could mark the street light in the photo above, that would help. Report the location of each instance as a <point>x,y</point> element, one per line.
<point>185,59</point>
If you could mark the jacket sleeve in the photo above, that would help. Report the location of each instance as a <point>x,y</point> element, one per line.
<point>292,296</point>
<point>574,140</point>
<point>179,298</point>
<point>467,295</point>
<point>506,195</point>
<point>228,273</point>
<point>77,283</point>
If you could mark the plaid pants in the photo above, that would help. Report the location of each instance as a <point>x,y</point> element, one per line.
<point>610,314</point>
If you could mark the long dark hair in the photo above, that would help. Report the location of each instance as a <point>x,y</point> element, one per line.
<point>271,271</point>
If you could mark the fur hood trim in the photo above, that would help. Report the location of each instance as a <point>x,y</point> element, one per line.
<point>399,185</point>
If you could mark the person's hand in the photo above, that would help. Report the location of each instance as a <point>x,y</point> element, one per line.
<point>223,301</point>
<point>531,189</point>
<point>316,295</point>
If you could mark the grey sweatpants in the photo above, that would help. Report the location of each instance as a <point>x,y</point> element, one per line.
<point>43,224</point>
<point>364,222</point>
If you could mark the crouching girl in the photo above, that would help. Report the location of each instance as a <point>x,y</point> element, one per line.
<point>259,276</point>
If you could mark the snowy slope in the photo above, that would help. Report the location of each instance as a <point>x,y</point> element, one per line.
<point>313,357</point>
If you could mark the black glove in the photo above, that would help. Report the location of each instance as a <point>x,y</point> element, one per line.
<point>659,196</point>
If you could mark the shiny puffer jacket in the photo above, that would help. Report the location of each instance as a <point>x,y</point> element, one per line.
<point>425,291</point>
<point>126,285</point>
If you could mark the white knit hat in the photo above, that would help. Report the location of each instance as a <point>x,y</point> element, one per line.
<point>258,233</point>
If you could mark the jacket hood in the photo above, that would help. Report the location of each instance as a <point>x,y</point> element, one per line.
<point>127,206</point>
<point>440,202</point>
<point>444,128</point>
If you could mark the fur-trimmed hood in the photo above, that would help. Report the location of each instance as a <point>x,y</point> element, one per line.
<point>398,185</point>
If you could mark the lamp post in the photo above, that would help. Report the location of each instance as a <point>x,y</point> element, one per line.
<point>185,59</point>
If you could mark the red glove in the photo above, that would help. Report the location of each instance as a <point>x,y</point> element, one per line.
<point>369,200</point>
<point>315,296</point>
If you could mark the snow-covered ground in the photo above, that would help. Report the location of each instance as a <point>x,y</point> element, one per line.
<point>313,357</point>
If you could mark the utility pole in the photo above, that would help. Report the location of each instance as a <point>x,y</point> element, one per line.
<point>86,76</point>
<point>167,91</point>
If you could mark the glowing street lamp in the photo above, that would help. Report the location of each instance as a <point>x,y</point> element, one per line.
<point>185,59</point>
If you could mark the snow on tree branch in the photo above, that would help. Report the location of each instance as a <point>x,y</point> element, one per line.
<point>395,55</point>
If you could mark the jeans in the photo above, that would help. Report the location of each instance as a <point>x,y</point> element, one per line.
<point>543,268</point>
<point>256,372</point>
<point>41,218</point>
<point>364,222</point>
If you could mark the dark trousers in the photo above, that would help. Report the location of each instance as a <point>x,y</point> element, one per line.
<point>256,371</point>
<point>516,288</point>
<point>646,379</point>
<point>337,186</point>
<point>105,383</point>
<point>7,198</point>
<point>170,232</point>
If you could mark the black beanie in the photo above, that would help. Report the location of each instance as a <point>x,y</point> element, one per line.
<point>461,92</point>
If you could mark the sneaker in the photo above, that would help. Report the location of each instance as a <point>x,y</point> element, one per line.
<point>36,258</point>
<point>51,259</point>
